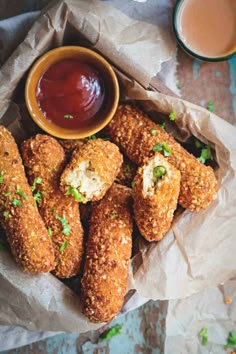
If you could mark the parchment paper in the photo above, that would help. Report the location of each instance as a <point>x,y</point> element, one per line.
<point>199,250</point>
<point>187,317</point>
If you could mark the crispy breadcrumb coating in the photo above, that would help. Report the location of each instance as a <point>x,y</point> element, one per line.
<point>138,137</point>
<point>127,172</point>
<point>155,192</point>
<point>19,216</point>
<point>108,252</point>
<point>92,170</point>
<point>44,158</point>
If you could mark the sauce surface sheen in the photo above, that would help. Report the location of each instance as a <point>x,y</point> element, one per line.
<point>208,27</point>
<point>71,94</point>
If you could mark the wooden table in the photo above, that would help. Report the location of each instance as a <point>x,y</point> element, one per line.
<point>144,328</point>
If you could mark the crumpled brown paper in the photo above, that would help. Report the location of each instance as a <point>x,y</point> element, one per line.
<point>199,250</point>
<point>207,309</point>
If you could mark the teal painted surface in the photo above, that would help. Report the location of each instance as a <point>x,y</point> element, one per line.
<point>143,331</point>
<point>232,88</point>
<point>196,68</point>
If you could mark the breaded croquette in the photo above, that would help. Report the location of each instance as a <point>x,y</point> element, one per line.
<point>156,189</point>
<point>44,159</point>
<point>138,137</point>
<point>108,252</point>
<point>92,170</point>
<point>70,145</point>
<point>19,216</point>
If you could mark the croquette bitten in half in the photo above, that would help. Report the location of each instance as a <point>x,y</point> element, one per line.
<point>155,192</point>
<point>44,159</point>
<point>26,233</point>
<point>139,137</point>
<point>108,252</point>
<point>92,170</point>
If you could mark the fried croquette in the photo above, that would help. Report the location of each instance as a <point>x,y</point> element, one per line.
<point>92,170</point>
<point>108,252</point>
<point>156,189</point>
<point>19,216</point>
<point>44,159</point>
<point>138,137</point>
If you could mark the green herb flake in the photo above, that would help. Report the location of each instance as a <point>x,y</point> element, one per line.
<point>50,232</point>
<point>206,154</point>
<point>162,125</point>
<point>159,172</point>
<point>166,149</point>
<point>22,194</point>
<point>231,340</point>
<point>92,137</point>
<point>153,131</point>
<point>6,214</point>
<point>37,180</point>
<point>111,332</point>
<point>38,197</point>
<point>203,334</point>
<point>114,215</point>
<point>7,194</point>
<point>2,247</point>
<point>75,193</point>
<point>66,228</point>
<point>157,147</point>
<point>1,176</point>
<point>198,144</point>
<point>133,184</point>
<point>127,171</point>
<point>178,85</point>
<point>53,211</point>
<point>16,202</point>
<point>63,246</point>
<point>68,116</point>
<point>211,106</point>
<point>172,115</point>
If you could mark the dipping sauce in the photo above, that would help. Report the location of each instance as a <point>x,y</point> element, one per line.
<point>208,27</point>
<point>71,94</point>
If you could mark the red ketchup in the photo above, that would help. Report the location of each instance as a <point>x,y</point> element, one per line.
<point>70,94</point>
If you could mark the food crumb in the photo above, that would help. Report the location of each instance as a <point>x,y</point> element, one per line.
<point>227,300</point>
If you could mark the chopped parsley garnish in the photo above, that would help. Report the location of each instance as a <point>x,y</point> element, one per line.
<point>114,215</point>
<point>211,106</point>
<point>66,228</point>
<point>68,116</point>
<point>203,334</point>
<point>92,137</point>
<point>16,202</point>
<point>37,180</point>
<point>6,214</point>
<point>75,193</point>
<point>162,125</point>
<point>231,340</point>
<point>133,184</point>
<point>153,131</point>
<point>38,197</point>
<point>111,332</point>
<point>178,84</point>
<point>53,211</point>
<point>172,115</point>
<point>50,232</point>
<point>127,171</point>
<point>206,154</point>
<point>162,147</point>
<point>22,194</point>
<point>198,144</point>
<point>1,176</point>
<point>63,246</point>
<point>159,172</point>
<point>7,194</point>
